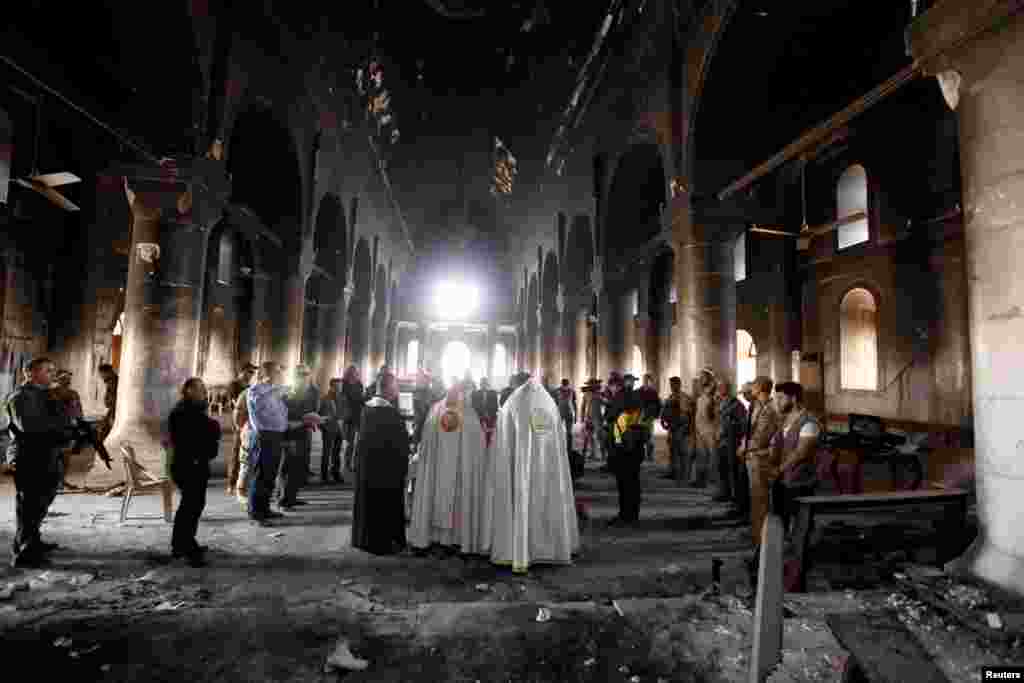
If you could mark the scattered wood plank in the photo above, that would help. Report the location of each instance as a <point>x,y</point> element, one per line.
<point>884,650</point>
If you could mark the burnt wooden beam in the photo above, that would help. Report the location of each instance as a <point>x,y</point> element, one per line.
<point>883,649</point>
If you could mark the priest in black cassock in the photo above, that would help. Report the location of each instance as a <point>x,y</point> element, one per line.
<point>378,518</point>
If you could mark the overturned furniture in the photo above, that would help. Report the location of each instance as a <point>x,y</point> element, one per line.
<point>138,480</point>
<point>947,509</point>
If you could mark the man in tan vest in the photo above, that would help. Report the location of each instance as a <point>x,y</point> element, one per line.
<point>762,462</point>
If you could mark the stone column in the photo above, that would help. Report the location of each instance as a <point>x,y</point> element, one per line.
<point>378,336</point>
<point>333,363</point>
<point>560,346</point>
<point>295,311</point>
<point>976,48</point>
<point>628,321</point>
<point>706,287</point>
<point>535,344</point>
<point>170,209</point>
<point>491,340</point>
<point>362,315</point>
<point>394,345</point>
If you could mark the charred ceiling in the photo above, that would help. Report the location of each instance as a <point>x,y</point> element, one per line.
<point>781,68</point>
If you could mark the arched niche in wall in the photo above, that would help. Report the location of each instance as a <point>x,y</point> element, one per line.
<point>227,311</point>
<point>579,255</point>
<point>319,292</point>
<point>858,340</point>
<point>331,239</point>
<point>357,345</point>
<point>638,193</point>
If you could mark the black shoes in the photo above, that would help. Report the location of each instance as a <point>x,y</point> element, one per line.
<point>29,560</point>
<point>197,551</point>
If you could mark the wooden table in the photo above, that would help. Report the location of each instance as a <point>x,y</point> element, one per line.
<point>951,506</point>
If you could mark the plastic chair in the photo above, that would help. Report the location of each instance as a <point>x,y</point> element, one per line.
<point>138,479</point>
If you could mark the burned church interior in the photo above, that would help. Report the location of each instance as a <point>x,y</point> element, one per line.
<point>628,340</point>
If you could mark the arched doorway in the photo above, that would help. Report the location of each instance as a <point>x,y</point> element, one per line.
<point>227,307</point>
<point>499,369</point>
<point>456,361</point>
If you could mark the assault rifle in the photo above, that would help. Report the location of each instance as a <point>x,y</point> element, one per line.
<point>85,435</point>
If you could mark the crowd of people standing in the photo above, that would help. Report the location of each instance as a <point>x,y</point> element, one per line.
<point>753,447</point>
<point>751,450</point>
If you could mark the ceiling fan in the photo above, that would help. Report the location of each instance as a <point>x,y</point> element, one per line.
<point>806,231</point>
<point>43,183</point>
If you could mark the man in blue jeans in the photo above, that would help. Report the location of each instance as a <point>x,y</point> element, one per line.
<point>268,416</point>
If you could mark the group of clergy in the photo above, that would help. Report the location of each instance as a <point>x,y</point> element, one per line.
<point>509,499</point>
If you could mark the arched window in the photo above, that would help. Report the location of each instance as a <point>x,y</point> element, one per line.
<point>6,153</point>
<point>225,257</point>
<point>635,301</point>
<point>638,361</point>
<point>500,368</point>
<point>858,340</point>
<point>796,357</point>
<point>852,207</point>
<point>746,358</point>
<point>119,325</point>
<point>740,257</point>
<point>412,357</point>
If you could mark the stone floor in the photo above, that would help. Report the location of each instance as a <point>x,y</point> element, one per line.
<point>273,601</point>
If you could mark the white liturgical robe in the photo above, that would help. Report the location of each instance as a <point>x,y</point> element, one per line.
<point>448,502</point>
<point>532,503</point>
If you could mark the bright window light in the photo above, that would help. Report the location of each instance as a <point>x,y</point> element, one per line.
<point>456,301</point>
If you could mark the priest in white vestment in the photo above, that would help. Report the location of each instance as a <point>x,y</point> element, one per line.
<point>448,501</point>
<point>530,489</point>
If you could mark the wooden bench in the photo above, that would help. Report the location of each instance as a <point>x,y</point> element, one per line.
<point>951,506</point>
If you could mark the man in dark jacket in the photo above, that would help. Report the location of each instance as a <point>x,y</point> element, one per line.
<point>677,420</point>
<point>330,457</point>
<point>39,431</point>
<point>195,441</point>
<point>303,402</point>
<point>352,388</point>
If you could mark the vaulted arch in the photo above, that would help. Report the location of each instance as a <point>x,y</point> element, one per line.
<point>331,237</point>
<point>635,202</point>
<point>579,255</point>
<point>264,168</point>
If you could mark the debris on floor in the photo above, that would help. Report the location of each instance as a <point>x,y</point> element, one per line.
<point>342,658</point>
<point>168,606</point>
